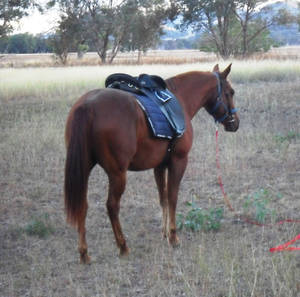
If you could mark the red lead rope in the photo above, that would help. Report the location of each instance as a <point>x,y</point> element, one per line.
<point>227,202</point>
<point>286,246</point>
<point>282,247</point>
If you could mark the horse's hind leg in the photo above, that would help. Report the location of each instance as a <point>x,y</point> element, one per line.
<point>117,184</point>
<point>82,245</point>
<point>175,173</point>
<point>161,182</point>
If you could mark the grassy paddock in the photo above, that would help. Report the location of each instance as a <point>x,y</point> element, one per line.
<point>47,83</point>
<point>260,166</point>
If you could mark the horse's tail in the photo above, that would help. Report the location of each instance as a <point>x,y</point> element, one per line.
<point>77,166</point>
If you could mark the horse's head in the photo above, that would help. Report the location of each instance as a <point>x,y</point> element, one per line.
<point>220,104</point>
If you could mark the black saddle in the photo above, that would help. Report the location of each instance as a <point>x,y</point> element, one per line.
<point>136,85</point>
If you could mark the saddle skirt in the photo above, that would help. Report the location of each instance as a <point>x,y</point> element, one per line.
<point>162,109</point>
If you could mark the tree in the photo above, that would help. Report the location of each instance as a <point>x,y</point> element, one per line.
<point>60,46</point>
<point>254,24</point>
<point>131,24</point>
<point>106,25</point>
<point>109,25</point>
<point>41,44</point>
<point>236,46</point>
<point>69,33</point>
<point>218,18</point>
<point>213,17</point>
<point>21,44</point>
<point>12,11</point>
<point>145,29</point>
<point>24,43</point>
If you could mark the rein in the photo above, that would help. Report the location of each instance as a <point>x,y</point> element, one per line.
<point>280,248</point>
<point>219,102</point>
<point>226,200</point>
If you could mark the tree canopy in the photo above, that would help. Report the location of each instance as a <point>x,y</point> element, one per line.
<point>231,27</point>
<point>12,11</point>
<point>110,26</point>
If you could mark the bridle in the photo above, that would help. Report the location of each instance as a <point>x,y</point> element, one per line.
<point>219,102</point>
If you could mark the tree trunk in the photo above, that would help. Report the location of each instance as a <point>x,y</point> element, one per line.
<point>102,47</point>
<point>139,57</point>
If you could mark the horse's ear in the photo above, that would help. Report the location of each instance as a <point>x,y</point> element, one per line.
<point>216,68</point>
<point>225,73</point>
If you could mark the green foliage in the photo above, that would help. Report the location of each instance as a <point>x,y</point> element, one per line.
<point>291,135</point>
<point>200,219</point>
<point>108,27</point>
<point>39,226</point>
<point>258,202</point>
<point>144,29</point>
<point>60,45</point>
<point>232,28</point>
<point>81,50</point>
<point>236,45</point>
<point>262,42</point>
<point>24,43</point>
<point>12,11</point>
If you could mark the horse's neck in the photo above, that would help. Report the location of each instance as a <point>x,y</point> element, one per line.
<point>192,90</point>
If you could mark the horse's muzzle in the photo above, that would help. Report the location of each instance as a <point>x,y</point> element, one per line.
<point>231,124</point>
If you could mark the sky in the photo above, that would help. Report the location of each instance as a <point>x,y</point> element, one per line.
<point>37,23</point>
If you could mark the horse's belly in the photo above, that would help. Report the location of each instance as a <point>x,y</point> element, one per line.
<point>149,154</point>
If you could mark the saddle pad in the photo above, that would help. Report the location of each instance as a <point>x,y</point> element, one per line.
<point>158,122</point>
<point>170,107</point>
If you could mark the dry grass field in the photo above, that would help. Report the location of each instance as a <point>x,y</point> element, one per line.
<point>131,58</point>
<point>260,166</point>
<point>91,58</point>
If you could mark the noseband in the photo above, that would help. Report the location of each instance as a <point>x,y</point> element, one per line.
<point>219,102</point>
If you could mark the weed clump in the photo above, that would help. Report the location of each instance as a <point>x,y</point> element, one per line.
<point>200,219</point>
<point>39,226</point>
<point>258,204</point>
<point>290,136</point>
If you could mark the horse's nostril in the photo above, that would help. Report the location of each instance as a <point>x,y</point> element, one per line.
<point>232,124</point>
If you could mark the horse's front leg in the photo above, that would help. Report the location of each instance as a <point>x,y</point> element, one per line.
<point>161,182</point>
<point>176,170</point>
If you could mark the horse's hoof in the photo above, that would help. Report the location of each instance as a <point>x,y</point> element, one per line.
<point>85,259</point>
<point>174,241</point>
<point>164,234</point>
<point>124,252</point>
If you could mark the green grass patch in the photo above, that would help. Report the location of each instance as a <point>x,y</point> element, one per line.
<point>39,226</point>
<point>200,219</point>
<point>290,136</point>
<point>258,205</point>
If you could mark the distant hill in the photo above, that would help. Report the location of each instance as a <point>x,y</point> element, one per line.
<point>289,34</point>
<point>284,35</point>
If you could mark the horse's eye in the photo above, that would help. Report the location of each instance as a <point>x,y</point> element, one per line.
<point>229,93</point>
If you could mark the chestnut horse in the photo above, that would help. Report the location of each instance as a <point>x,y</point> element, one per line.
<point>109,128</point>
